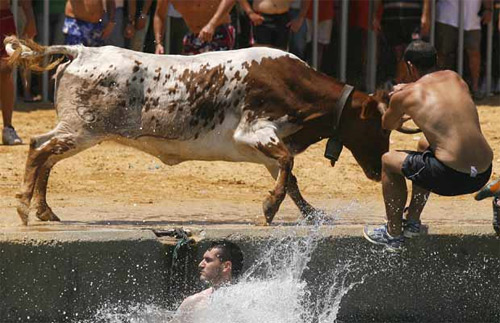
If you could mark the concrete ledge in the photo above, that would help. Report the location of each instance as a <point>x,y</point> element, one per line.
<point>451,274</point>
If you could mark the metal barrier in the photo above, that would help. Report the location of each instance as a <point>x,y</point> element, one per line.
<point>371,68</point>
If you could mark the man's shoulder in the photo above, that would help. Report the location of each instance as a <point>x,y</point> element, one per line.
<point>195,298</point>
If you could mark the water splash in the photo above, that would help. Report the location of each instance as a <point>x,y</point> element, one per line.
<point>272,290</point>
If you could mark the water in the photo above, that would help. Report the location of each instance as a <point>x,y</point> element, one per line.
<point>272,290</point>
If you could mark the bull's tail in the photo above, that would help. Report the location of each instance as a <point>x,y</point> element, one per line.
<point>31,55</point>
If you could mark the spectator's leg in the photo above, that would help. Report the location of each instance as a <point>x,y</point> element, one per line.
<point>472,44</point>
<point>6,93</point>
<point>446,45</point>
<point>297,44</point>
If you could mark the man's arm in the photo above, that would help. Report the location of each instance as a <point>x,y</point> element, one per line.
<point>394,116</point>
<point>207,32</point>
<point>159,24</point>
<point>252,15</point>
<point>375,18</point>
<point>297,22</point>
<point>110,10</point>
<point>30,26</point>
<point>487,11</point>
<point>425,19</point>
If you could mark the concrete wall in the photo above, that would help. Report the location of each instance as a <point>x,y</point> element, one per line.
<point>67,276</point>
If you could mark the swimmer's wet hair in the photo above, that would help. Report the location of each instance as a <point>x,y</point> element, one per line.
<point>229,251</point>
<point>421,54</point>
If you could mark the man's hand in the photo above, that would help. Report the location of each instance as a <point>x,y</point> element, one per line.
<point>108,29</point>
<point>207,33</point>
<point>159,49</point>
<point>140,23</point>
<point>129,31</point>
<point>256,18</point>
<point>295,24</point>
<point>486,16</point>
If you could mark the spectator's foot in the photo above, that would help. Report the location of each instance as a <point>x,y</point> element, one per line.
<point>379,235</point>
<point>36,98</point>
<point>10,137</point>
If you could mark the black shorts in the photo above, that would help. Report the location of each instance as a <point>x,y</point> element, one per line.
<point>273,31</point>
<point>400,32</point>
<point>423,169</point>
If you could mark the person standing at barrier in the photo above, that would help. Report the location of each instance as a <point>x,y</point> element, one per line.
<point>401,22</point>
<point>83,23</point>
<point>454,158</point>
<point>208,21</point>
<point>447,12</point>
<point>221,266</point>
<point>7,28</point>
<point>298,40</point>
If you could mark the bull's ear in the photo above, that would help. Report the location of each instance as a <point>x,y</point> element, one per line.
<point>369,108</point>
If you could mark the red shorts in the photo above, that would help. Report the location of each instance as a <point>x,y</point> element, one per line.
<point>7,28</point>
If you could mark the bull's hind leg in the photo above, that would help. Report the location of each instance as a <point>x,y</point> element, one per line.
<point>306,209</point>
<point>44,152</point>
<point>39,202</point>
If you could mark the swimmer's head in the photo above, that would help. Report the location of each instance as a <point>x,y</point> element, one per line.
<point>227,251</point>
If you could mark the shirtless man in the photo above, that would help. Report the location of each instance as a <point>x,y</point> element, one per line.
<point>271,23</point>
<point>453,158</point>
<point>221,265</point>
<point>7,28</point>
<point>83,22</point>
<point>208,21</point>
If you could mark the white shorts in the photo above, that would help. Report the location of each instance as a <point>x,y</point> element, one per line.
<point>324,31</point>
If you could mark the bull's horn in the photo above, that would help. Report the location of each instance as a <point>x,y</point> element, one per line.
<point>409,131</point>
<point>381,107</point>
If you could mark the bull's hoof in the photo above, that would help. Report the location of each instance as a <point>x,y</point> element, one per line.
<point>47,215</point>
<point>261,221</point>
<point>270,207</point>
<point>24,211</point>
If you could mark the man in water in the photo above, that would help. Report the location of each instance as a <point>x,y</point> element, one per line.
<point>208,21</point>
<point>221,266</point>
<point>454,158</point>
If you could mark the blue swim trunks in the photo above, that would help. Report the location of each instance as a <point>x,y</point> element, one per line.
<point>78,32</point>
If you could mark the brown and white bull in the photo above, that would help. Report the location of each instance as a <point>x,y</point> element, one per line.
<point>256,105</point>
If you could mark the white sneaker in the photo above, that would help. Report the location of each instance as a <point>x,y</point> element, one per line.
<point>10,137</point>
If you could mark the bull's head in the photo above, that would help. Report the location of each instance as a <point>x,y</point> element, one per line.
<point>362,133</point>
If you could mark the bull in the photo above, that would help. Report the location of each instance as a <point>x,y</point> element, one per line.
<point>257,105</point>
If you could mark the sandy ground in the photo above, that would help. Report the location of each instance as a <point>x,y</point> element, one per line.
<point>116,186</point>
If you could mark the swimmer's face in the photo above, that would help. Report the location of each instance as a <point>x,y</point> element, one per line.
<point>211,268</point>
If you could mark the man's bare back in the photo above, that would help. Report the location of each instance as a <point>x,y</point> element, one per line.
<point>439,103</point>
<point>86,10</point>
<point>271,7</point>
<point>197,13</point>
